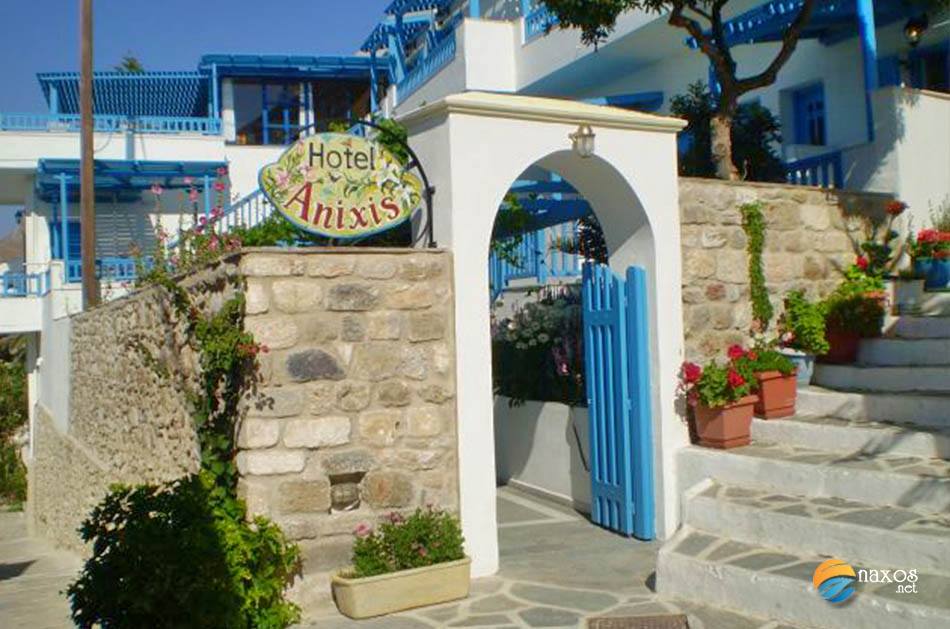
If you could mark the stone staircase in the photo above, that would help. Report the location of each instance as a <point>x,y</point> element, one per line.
<point>861,474</point>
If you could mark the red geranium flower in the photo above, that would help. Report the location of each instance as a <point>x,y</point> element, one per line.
<point>735,379</point>
<point>895,208</point>
<point>692,373</point>
<point>862,263</point>
<point>928,235</point>
<point>735,352</point>
<point>752,355</point>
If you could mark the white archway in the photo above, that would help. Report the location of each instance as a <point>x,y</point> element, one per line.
<point>473,146</point>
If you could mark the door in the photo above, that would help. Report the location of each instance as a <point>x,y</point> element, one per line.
<point>616,356</point>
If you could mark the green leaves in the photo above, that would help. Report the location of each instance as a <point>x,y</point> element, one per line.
<point>753,222</point>
<point>802,325</point>
<point>427,537</point>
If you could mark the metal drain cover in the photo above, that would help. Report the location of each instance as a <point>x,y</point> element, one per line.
<point>675,621</point>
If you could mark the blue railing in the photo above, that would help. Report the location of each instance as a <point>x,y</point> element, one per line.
<point>112,268</point>
<point>824,171</point>
<point>536,258</point>
<point>70,123</point>
<point>538,22</point>
<point>24,284</point>
<point>440,56</point>
<point>246,212</point>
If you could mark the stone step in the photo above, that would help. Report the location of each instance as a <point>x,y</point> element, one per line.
<point>854,436</point>
<point>853,531</point>
<point>887,352</point>
<point>883,379</point>
<point>909,327</point>
<point>918,483</point>
<point>766,581</point>
<point>899,408</point>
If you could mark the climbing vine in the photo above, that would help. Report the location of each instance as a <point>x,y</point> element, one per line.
<point>184,551</point>
<point>753,222</point>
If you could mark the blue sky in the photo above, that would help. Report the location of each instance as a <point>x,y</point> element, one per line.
<point>43,35</point>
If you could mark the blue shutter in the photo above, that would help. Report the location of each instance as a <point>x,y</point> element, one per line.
<point>809,103</point>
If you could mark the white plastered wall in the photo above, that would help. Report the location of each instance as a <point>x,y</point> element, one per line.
<point>473,147</point>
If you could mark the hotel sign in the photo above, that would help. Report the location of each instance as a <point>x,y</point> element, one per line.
<point>341,186</point>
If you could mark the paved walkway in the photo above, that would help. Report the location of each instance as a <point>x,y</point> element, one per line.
<point>557,570</point>
<point>33,576</point>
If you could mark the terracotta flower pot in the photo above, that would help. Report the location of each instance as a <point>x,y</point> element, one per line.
<point>843,347</point>
<point>777,395</point>
<point>727,426</point>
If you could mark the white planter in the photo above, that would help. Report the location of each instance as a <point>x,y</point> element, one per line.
<point>399,591</point>
<point>908,296</point>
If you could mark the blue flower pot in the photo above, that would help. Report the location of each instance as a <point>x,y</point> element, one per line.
<point>922,267</point>
<point>938,275</point>
<point>804,363</point>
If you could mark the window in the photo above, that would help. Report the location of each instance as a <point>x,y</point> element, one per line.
<point>73,233</point>
<point>809,104</point>
<point>930,68</point>
<point>267,113</point>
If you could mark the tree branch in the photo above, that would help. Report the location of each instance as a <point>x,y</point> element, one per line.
<point>789,42</point>
<point>706,42</point>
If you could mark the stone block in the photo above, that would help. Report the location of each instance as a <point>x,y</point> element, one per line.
<point>265,265</point>
<point>377,361</point>
<point>425,421</point>
<point>814,268</point>
<point>384,489</point>
<point>815,217</point>
<point>274,332</point>
<point>393,393</point>
<point>259,433</point>
<point>421,267</point>
<point>296,295</point>
<point>322,398</point>
<point>352,297</point>
<point>794,241</point>
<point>256,493</point>
<point>698,264</point>
<point>410,296</point>
<point>435,394</point>
<point>330,265</point>
<point>353,396</point>
<point>270,462</point>
<point>380,428</point>
<point>317,327</point>
<point>353,329</point>
<point>413,459</point>
<point>326,555</point>
<point>257,298</point>
<point>781,267</point>
<point>426,326</point>
<point>712,239</point>
<point>384,326</point>
<point>732,266</point>
<point>313,364</point>
<point>304,496</point>
<point>318,432</point>
<point>277,402</point>
<point>716,292</point>
<point>376,267</point>
<point>349,462</point>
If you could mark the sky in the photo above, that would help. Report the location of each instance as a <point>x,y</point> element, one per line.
<point>43,36</point>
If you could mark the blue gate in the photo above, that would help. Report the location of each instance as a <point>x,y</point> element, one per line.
<point>617,361</point>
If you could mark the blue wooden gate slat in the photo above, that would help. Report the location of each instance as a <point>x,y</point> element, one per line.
<point>616,353</point>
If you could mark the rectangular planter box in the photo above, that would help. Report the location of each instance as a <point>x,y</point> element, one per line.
<point>399,591</point>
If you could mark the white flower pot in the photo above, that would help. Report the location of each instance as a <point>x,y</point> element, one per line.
<point>406,589</point>
<point>908,296</point>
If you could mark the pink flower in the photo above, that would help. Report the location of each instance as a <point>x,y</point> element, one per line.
<point>157,189</point>
<point>217,212</point>
<point>219,186</point>
<point>222,171</point>
<point>422,551</point>
<point>193,195</point>
<point>363,530</point>
<point>788,337</point>
<point>188,181</point>
<point>692,373</point>
<point>862,263</point>
<point>395,518</point>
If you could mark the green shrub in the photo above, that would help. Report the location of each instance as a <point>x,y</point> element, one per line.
<point>857,305</point>
<point>13,415</point>
<point>427,537</point>
<point>762,360</point>
<point>802,325</point>
<point>753,222</point>
<point>179,556</point>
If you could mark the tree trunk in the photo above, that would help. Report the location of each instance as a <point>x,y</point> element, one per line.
<point>721,135</point>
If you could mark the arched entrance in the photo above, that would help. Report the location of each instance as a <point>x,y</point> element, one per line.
<point>474,145</point>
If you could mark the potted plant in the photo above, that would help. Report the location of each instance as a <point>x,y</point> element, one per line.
<point>855,310</point>
<point>775,376</point>
<point>930,252</point>
<point>721,398</point>
<point>406,562</point>
<point>908,292</point>
<point>802,334</point>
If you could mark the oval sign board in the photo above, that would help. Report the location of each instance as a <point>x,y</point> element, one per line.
<point>341,186</point>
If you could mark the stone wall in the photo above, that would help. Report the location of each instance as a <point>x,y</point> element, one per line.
<point>356,415</point>
<point>129,422</point>
<point>809,241</point>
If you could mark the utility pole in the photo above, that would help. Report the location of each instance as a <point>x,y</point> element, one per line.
<point>87,193</point>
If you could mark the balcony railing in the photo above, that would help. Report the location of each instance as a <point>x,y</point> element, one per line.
<point>112,269</point>
<point>24,284</point>
<point>824,171</point>
<point>538,22</point>
<point>428,66</point>
<point>536,258</point>
<point>70,123</point>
